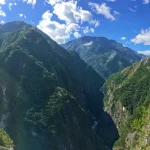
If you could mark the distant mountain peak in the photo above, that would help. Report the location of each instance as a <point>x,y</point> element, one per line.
<point>99,53</point>
<point>48,93</point>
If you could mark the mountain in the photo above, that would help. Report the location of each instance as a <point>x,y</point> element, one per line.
<point>104,55</point>
<point>127,99</point>
<point>50,99</point>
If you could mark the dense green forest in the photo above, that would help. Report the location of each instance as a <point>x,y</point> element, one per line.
<point>50,99</point>
<point>128,96</point>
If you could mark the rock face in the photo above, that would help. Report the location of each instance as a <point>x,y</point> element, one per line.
<point>105,56</point>
<point>127,99</point>
<point>50,98</point>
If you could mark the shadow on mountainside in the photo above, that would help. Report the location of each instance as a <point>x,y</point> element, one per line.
<point>107,130</point>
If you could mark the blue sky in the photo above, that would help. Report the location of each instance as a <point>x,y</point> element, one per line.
<point>126,21</point>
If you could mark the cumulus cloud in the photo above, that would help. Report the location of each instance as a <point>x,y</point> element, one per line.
<point>53,2</point>
<point>72,27</point>
<point>31,2</point>
<point>92,30</point>
<point>133,9</point>
<point>11,4</point>
<point>70,12</point>
<point>2,13</point>
<point>2,22</point>
<point>72,17</point>
<point>87,30</point>
<point>2,2</point>
<point>102,9</point>
<point>146,52</point>
<point>22,15</point>
<point>55,30</point>
<point>146,1</point>
<point>60,32</point>
<point>116,13</point>
<point>142,38</point>
<point>123,38</point>
<point>77,35</point>
<point>95,22</point>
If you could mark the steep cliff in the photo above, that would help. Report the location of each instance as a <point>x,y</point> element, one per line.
<point>127,99</point>
<point>50,98</point>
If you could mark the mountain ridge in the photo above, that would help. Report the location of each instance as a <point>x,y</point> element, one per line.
<point>127,96</point>
<point>104,55</point>
<point>39,77</point>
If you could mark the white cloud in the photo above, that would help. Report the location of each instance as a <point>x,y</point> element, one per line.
<point>77,35</point>
<point>116,13</point>
<point>92,30</point>
<point>22,15</point>
<point>71,13</point>
<point>2,13</point>
<point>2,2</point>
<point>123,38</point>
<point>61,32</point>
<point>54,29</point>
<point>31,2</point>
<point>72,27</point>
<point>146,52</point>
<point>102,9</point>
<point>11,4</point>
<point>142,38</point>
<point>146,1</point>
<point>87,30</point>
<point>2,22</point>
<point>132,9</point>
<point>47,15</point>
<point>53,2</point>
<point>72,17</point>
<point>95,22</point>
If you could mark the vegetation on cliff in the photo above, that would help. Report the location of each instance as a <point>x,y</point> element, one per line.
<point>128,95</point>
<point>50,97</point>
<point>5,140</point>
